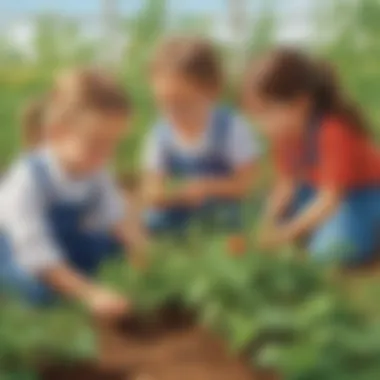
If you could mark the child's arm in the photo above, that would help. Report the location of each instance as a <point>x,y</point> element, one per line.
<point>325,203</point>
<point>154,190</point>
<point>242,151</point>
<point>235,186</point>
<point>336,158</point>
<point>314,214</point>
<point>72,285</point>
<point>121,213</point>
<point>36,251</point>
<point>277,205</point>
<point>134,238</point>
<point>279,200</point>
<point>157,193</point>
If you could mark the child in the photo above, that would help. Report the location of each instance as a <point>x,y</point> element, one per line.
<point>328,168</point>
<point>61,213</point>
<point>202,146</point>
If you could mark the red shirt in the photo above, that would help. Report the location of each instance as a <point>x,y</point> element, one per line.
<point>343,158</point>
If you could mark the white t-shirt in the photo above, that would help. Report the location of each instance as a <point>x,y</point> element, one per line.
<point>242,146</point>
<point>22,216</point>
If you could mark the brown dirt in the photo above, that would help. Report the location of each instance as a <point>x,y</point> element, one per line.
<point>167,348</point>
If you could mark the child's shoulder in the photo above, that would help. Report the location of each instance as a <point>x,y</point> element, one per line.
<point>25,164</point>
<point>19,177</point>
<point>334,127</point>
<point>332,121</point>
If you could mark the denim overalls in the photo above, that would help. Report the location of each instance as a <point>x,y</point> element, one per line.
<point>352,233</point>
<point>211,163</point>
<point>83,249</point>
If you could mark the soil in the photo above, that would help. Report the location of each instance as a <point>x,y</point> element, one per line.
<point>167,347</point>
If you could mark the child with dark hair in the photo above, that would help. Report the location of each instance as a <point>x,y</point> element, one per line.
<point>328,166</point>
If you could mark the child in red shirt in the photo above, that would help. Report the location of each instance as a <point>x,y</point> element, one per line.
<point>328,168</point>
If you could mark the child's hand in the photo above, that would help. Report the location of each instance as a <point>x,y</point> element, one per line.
<point>195,192</point>
<point>107,305</point>
<point>272,237</point>
<point>140,258</point>
<point>138,253</point>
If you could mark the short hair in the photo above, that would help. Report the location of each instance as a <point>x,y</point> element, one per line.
<point>194,58</point>
<point>77,90</point>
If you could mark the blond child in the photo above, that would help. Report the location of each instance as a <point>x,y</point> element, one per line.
<point>62,214</point>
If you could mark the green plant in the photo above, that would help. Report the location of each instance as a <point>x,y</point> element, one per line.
<point>283,313</point>
<point>30,337</point>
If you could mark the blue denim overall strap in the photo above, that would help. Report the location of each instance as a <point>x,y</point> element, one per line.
<point>218,162</point>
<point>212,162</point>
<point>82,248</point>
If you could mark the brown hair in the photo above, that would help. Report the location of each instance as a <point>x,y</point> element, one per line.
<point>85,89</point>
<point>32,122</point>
<point>286,73</point>
<point>195,58</point>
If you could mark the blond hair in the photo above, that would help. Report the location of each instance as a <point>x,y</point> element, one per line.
<point>82,89</point>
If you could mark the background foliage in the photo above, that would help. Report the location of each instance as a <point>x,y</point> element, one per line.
<point>346,32</point>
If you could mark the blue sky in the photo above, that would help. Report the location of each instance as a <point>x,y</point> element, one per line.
<point>92,6</point>
<point>83,7</point>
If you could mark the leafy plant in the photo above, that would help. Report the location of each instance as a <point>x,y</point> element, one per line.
<point>30,337</point>
<point>283,313</point>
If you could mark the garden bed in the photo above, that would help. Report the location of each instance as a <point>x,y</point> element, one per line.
<point>169,346</point>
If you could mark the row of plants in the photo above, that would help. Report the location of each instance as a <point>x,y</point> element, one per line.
<point>282,313</point>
